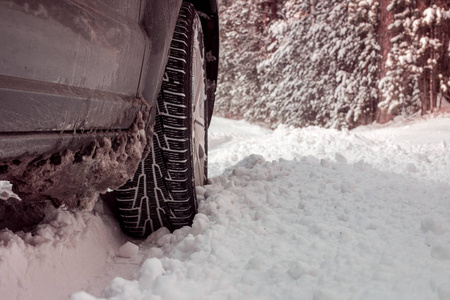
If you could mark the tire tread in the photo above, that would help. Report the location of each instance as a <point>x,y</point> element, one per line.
<point>162,192</point>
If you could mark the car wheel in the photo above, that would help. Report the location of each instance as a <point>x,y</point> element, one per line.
<point>162,191</point>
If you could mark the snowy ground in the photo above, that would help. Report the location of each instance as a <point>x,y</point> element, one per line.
<point>289,214</point>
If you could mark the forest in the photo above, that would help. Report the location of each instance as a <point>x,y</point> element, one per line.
<point>333,63</point>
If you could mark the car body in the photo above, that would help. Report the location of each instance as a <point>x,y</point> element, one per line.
<point>79,81</point>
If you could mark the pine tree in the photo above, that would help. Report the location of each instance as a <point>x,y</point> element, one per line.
<point>333,63</point>
<point>417,72</point>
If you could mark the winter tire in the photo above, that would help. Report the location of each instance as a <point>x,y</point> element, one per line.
<point>162,191</point>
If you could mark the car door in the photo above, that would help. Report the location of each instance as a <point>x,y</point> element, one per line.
<point>68,65</point>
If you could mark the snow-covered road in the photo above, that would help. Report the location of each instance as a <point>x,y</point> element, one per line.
<point>290,214</point>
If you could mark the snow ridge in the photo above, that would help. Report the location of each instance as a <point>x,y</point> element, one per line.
<point>318,222</point>
<point>292,213</point>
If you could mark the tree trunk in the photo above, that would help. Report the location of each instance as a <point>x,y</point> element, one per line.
<point>384,36</point>
<point>439,68</point>
<point>443,54</point>
<point>425,81</point>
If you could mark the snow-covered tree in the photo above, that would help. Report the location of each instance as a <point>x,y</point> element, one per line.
<point>323,71</point>
<point>333,63</point>
<point>240,54</point>
<point>418,62</point>
<point>316,65</point>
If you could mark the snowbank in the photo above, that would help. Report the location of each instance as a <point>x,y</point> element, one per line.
<point>325,215</point>
<point>69,251</point>
<point>303,229</point>
<point>289,214</point>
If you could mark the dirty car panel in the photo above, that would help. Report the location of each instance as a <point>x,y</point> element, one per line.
<point>73,119</point>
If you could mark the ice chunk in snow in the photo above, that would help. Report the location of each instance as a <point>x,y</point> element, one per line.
<point>410,167</point>
<point>340,158</point>
<point>433,224</point>
<point>347,187</point>
<point>200,224</point>
<point>128,250</point>
<point>156,236</point>
<point>200,191</point>
<point>299,269</point>
<point>325,163</point>
<point>150,270</point>
<point>6,191</point>
<point>250,161</point>
<point>82,296</point>
<point>441,251</point>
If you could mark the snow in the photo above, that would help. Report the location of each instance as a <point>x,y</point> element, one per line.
<point>128,250</point>
<point>68,252</point>
<point>307,213</point>
<point>6,190</point>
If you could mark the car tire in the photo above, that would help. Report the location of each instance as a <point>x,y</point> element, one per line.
<point>162,191</point>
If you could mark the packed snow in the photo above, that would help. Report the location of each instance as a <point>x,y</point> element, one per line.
<point>306,213</point>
